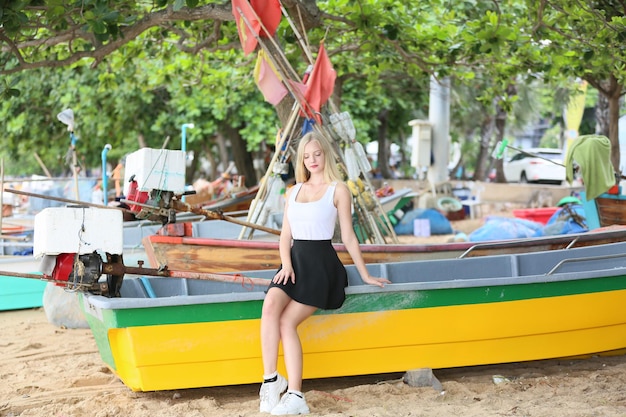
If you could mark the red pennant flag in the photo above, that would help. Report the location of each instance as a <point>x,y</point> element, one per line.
<point>268,80</point>
<point>263,18</point>
<point>242,11</point>
<point>269,13</point>
<point>321,82</point>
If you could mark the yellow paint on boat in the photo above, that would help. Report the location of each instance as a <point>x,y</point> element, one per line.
<point>226,353</point>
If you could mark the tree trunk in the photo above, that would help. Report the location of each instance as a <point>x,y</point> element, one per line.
<point>141,141</point>
<point>602,115</point>
<point>607,114</point>
<point>486,133</point>
<point>383,145</point>
<point>614,127</point>
<point>222,150</point>
<point>241,156</point>
<point>206,148</point>
<point>500,126</point>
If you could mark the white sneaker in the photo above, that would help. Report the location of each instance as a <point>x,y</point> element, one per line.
<point>270,393</point>
<point>291,404</point>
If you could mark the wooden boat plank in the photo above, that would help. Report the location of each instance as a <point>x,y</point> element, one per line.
<point>611,211</point>
<point>223,255</point>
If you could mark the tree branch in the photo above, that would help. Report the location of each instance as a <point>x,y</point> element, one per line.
<point>221,12</point>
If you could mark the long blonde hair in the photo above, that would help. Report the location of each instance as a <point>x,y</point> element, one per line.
<point>331,172</point>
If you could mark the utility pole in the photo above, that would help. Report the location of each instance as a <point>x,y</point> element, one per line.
<point>439,117</point>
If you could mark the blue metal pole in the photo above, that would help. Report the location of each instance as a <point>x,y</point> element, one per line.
<point>73,140</point>
<point>183,145</point>
<point>105,187</point>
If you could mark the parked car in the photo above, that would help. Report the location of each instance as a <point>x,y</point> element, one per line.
<point>538,165</point>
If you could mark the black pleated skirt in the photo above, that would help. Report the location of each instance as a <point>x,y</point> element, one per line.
<point>321,278</point>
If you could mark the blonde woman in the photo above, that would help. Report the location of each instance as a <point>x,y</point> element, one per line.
<point>311,276</point>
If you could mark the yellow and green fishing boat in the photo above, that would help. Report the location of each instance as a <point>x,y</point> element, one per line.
<point>173,333</point>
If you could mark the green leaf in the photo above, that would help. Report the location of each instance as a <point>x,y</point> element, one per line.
<point>179,4</point>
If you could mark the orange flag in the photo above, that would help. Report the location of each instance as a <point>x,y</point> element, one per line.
<point>259,14</point>
<point>268,80</point>
<point>321,82</point>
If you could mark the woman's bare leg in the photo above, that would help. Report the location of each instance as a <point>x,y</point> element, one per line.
<point>273,307</point>
<point>292,315</point>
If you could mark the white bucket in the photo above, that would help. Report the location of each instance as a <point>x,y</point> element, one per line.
<point>421,227</point>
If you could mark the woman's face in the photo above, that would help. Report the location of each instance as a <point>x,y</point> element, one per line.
<point>314,157</point>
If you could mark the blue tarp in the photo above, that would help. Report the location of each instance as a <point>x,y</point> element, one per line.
<point>439,224</point>
<point>497,228</point>
<point>568,219</point>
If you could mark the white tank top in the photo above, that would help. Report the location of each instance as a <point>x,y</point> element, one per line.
<point>314,220</point>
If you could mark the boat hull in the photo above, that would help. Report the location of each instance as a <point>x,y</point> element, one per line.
<point>19,293</point>
<point>224,255</point>
<point>480,315</point>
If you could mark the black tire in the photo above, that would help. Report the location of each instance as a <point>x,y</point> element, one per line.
<point>523,179</point>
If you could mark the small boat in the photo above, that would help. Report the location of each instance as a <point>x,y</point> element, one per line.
<point>18,293</point>
<point>16,255</point>
<point>236,202</point>
<point>175,333</point>
<point>605,210</point>
<point>218,254</point>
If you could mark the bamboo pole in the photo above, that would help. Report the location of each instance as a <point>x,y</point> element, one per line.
<point>62,200</point>
<point>284,67</point>
<point>23,180</point>
<point>42,165</point>
<point>208,276</point>
<point>166,273</point>
<point>258,203</point>
<point>260,198</point>
<point>182,206</point>
<point>179,206</point>
<point>304,46</point>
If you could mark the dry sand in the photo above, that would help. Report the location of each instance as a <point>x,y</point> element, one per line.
<point>54,372</point>
<point>57,372</point>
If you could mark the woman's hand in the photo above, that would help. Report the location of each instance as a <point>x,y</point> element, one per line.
<point>380,282</point>
<point>284,275</point>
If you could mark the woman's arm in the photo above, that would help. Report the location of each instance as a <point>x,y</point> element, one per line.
<point>343,202</point>
<point>286,273</point>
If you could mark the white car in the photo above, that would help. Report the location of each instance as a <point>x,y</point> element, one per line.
<point>540,165</point>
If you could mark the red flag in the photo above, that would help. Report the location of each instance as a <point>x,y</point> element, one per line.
<point>263,18</point>
<point>321,81</point>
<point>242,11</point>
<point>269,13</point>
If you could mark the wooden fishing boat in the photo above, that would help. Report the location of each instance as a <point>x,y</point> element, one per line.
<point>233,203</point>
<point>16,255</point>
<point>173,333</point>
<point>223,254</point>
<point>17,293</point>
<point>605,210</point>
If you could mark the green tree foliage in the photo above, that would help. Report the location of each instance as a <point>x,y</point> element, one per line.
<point>584,39</point>
<point>132,68</point>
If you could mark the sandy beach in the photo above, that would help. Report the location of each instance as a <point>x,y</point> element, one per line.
<point>57,372</point>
